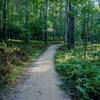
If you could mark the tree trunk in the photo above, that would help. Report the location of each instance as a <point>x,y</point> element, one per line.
<point>84,37</point>
<point>46,19</point>
<point>70,27</point>
<point>66,22</point>
<point>4,18</point>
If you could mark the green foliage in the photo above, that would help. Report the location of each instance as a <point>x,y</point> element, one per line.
<point>36,30</point>
<point>5,66</point>
<point>78,75</point>
<point>63,48</point>
<point>12,32</point>
<point>15,59</point>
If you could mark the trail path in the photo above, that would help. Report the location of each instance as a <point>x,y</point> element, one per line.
<point>42,83</point>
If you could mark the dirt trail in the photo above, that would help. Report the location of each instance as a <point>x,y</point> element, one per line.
<point>43,81</point>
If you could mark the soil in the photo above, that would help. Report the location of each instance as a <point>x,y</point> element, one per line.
<point>40,81</point>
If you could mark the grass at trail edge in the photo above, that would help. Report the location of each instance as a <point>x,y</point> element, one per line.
<point>15,59</point>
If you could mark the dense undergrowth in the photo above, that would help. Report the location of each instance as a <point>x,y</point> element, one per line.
<point>14,57</point>
<point>80,76</point>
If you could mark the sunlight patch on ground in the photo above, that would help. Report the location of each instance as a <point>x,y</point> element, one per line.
<point>42,62</point>
<point>40,66</point>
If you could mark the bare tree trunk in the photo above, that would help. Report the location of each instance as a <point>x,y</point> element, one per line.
<point>46,19</point>
<point>56,26</point>
<point>85,37</point>
<point>70,27</point>
<point>4,18</point>
<point>26,19</point>
<point>92,28</point>
<point>66,22</point>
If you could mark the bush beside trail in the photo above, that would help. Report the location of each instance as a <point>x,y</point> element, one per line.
<point>80,77</point>
<point>16,56</point>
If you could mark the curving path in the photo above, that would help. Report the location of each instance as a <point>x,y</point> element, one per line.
<point>42,83</point>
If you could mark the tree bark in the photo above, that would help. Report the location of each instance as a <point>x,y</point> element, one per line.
<point>46,19</point>
<point>4,18</point>
<point>70,27</point>
<point>66,22</point>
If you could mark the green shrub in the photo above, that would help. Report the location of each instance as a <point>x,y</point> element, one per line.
<point>15,55</point>
<point>12,32</point>
<point>83,76</point>
<point>5,66</point>
<point>63,48</point>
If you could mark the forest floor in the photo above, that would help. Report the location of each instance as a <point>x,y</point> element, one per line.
<point>40,82</point>
<point>80,74</point>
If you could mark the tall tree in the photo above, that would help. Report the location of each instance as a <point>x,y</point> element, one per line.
<point>70,25</point>
<point>46,22</point>
<point>4,17</point>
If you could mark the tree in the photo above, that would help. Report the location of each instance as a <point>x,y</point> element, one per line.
<point>70,26</point>
<point>46,19</point>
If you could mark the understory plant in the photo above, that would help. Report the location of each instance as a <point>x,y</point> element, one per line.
<point>80,77</point>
